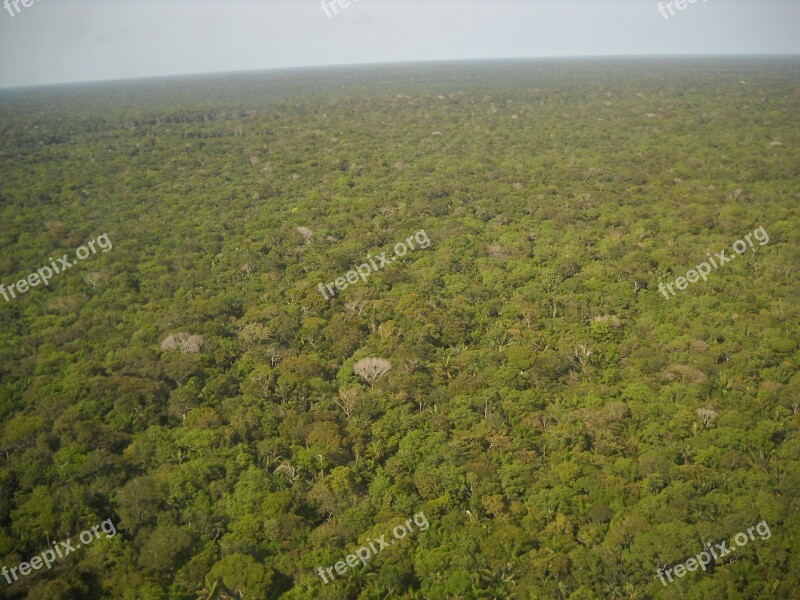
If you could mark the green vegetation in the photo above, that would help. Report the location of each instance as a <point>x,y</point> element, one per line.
<point>564,427</point>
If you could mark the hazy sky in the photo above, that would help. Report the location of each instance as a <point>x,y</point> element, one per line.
<point>55,41</point>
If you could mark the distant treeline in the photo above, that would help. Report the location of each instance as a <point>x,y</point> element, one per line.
<point>194,118</point>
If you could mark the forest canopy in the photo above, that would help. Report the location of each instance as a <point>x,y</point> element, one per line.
<point>565,428</point>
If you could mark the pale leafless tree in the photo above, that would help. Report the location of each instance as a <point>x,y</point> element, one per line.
<point>372,369</point>
<point>306,233</point>
<point>348,400</point>
<point>275,355</point>
<point>188,343</point>
<point>706,416</point>
<point>582,353</point>
<point>289,470</point>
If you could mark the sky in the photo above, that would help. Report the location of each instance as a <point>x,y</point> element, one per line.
<point>65,41</point>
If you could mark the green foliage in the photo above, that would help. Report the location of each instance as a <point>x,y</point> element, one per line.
<point>542,403</point>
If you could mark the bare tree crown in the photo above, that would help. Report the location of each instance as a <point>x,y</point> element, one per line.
<point>372,369</point>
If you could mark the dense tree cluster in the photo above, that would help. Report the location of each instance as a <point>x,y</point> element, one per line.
<point>565,429</point>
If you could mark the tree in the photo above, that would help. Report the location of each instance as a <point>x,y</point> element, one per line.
<point>348,400</point>
<point>248,579</point>
<point>372,369</point>
<point>188,343</point>
<point>166,549</point>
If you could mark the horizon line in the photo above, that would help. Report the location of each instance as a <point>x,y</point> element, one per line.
<point>395,63</point>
